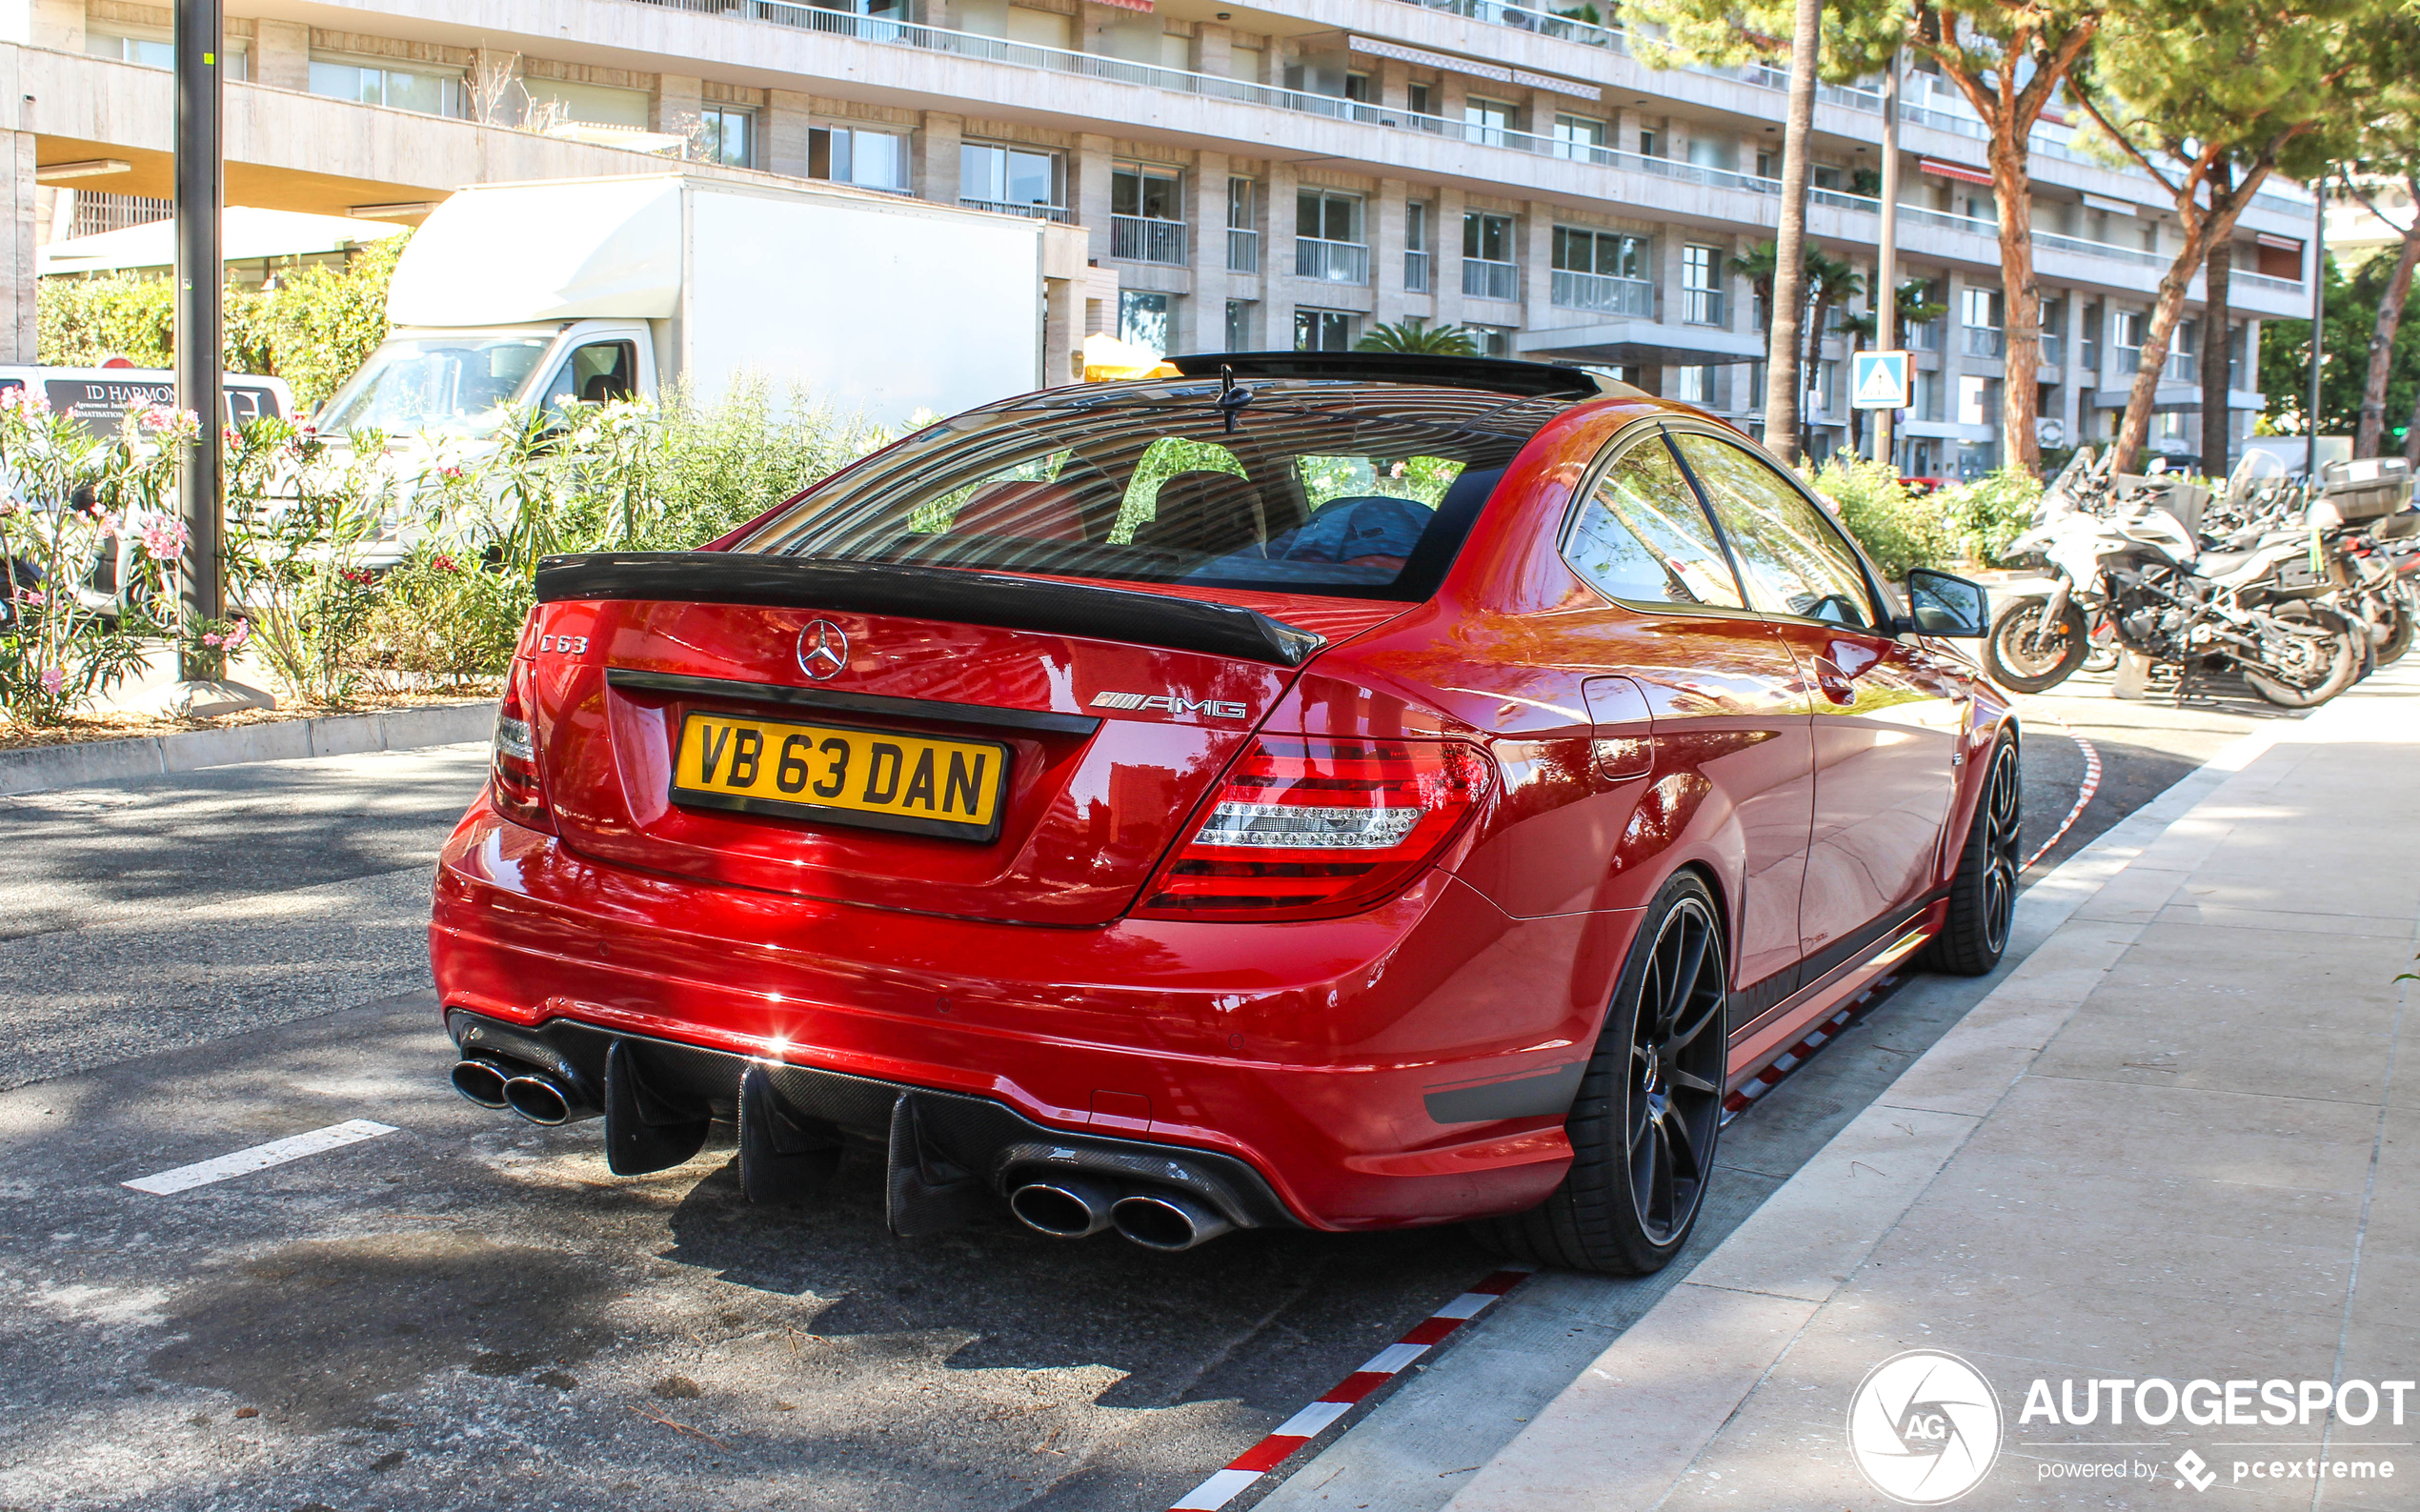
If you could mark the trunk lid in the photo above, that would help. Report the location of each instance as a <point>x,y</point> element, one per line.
<point>1095,786</point>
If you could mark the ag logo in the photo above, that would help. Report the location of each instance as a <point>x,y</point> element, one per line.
<point>823,649</point>
<point>1925,1427</point>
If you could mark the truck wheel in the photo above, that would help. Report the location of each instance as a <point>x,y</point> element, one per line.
<point>1650,1106</point>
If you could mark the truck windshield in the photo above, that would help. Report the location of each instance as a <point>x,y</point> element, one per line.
<point>1349,489</point>
<point>413,385</point>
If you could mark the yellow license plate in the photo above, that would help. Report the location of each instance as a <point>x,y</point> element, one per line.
<point>877,779</point>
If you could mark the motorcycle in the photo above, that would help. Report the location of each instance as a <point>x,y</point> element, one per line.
<point>2124,549</point>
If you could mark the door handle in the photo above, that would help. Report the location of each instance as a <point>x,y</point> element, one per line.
<point>1833,683</point>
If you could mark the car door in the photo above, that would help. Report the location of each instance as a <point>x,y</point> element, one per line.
<point>1884,716</point>
<point>1682,659</point>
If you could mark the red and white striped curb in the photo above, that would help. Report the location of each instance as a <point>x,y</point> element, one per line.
<point>1790,1059</point>
<point>2083,795</point>
<point>1322,1415</point>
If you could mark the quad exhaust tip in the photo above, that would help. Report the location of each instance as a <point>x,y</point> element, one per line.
<point>482,1083</point>
<point>1166,1222</point>
<point>1067,1208</point>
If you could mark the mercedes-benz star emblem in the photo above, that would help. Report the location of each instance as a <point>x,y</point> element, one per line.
<point>823,649</point>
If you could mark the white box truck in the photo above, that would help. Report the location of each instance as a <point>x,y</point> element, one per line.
<point>593,289</point>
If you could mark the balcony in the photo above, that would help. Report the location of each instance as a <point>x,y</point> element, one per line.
<point>1483,279</point>
<point>1141,239</point>
<point>1986,341</point>
<point>1243,250</point>
<point>1924,337</point>
<point>1034,212</point>
<point>1701,307</point>
<point>1416,272</point>
<point>1601,294</point>
<point>1331,262</point>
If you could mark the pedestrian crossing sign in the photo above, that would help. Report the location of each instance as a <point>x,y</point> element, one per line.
<point>1877,380</point>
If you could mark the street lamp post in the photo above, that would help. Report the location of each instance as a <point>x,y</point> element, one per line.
<point>2318,314</point>
<point>1886,264</point>
<point>200,270</point>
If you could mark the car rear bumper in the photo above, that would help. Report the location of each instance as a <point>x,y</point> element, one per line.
<point>1410,1065</point>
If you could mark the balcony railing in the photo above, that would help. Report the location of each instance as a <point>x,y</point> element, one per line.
<point>1602,293</point>
<point>1243,250</point>
<point>1141,239</point>
<point>1985,341</point>
<point>1701,307</point>
<point>1483,279</point>
<point>1416,272</point>
<point>1331,262</point>
<point>1008,207</point>
<point>1924,337</point>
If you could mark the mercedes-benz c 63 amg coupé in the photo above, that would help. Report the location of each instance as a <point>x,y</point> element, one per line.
<point>1337,791</point>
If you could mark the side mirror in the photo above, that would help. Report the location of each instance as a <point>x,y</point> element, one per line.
<point>1944,604</point>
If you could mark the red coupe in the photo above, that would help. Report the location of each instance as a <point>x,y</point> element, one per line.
<point>1342,790</point>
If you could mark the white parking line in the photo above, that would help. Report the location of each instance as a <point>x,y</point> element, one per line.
<point>259,1158</point>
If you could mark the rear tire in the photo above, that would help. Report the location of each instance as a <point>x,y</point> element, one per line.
<point>1982,896</point>
<point>1650,1106</point>
<point>2026,653</point>
<point>2335,663</point>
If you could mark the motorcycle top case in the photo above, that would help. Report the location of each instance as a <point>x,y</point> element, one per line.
<point>2370,489</point>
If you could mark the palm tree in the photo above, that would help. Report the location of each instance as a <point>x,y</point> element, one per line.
<point>1829,281</point>
<point>1861,329</point>
<point>1415,334</point>
<point>1756,266</point>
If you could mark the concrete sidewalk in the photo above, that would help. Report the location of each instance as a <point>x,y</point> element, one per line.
<point>2172,1145</point>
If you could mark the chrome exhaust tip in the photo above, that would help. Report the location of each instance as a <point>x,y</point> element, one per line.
<point>539,1100</point>
<point>1063,1209</point>
<point>480,1081</point>
<point>1165,1222</point>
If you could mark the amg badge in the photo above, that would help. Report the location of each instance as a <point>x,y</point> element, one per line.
<point>1214,708</point>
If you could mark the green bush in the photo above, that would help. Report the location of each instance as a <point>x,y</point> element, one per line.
<point>441,618</point>
<point>1898,528</point>
<point>1985,516</point>
<point>84,322</point>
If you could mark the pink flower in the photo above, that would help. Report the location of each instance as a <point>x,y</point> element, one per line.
<point>210,638</point>
<point>452,475</point>
<point>243,633</point>
<point>51,680</point>
<point>32,595</point>
<point>165,537</point>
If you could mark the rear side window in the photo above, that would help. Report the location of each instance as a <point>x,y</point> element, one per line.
<point>1341,488</point>
<point>1642,536</point>
<point>1794,560</point>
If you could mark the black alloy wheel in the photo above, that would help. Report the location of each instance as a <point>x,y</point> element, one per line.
<point>1982,896</point>
<point>1644,1124</point>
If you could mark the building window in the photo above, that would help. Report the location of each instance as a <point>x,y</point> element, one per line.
<point>1768,166</point>
<point>159,53</point>
<point>1018,180</point>
<point>1146,214</point>
<point>1602,271</point>
<point>396,89</point>
<point>1978,400</point>
<point>1926,397</point>
<point>1328,243</point>
<point>1695,385</point>
<point>1244,236</point>
<point>1421,99</point>
<point>729,136</point>
<point>848,154</point>
<point>1145,319</point>
<point>1488,269</point>
<point>1701,286</point>
<point>1356,88</point>
<point>1487,121</point>
<point>590,103</point>
<point>2093,318</point>
<point>1323,330</point>
<point>1580,137</point>
<point>1239,325</point>
<point>1979,308</point>
<point>1650,143</point>
<point>1417,220</point>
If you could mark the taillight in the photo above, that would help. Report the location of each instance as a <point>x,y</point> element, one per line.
<point>1309,828</point>
<point>513,773</point>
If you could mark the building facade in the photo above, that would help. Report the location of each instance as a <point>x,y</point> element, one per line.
<point>1246,179</point>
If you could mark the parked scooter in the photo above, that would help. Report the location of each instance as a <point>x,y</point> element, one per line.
<point>2125,548</point>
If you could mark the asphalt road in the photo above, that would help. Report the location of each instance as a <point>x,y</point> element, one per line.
<point>469,1310</point>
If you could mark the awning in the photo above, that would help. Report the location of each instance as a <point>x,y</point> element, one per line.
<point>1449,64</point>
<point>1642,343</point>
<point>2275,243</point>
<point>1957,170</point>
<point>1129,5</point>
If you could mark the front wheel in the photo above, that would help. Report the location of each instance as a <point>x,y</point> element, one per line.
<point>1982,896</point>
<point>1650,1106</point>
<point>2314,658</point>
<point>2029,651</point>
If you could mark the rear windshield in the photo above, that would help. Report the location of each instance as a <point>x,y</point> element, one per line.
<point>1351,490</point>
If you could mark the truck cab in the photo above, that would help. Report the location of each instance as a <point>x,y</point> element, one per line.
<point>431,382</point>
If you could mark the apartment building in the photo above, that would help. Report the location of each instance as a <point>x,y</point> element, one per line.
<point>1246,179</point>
